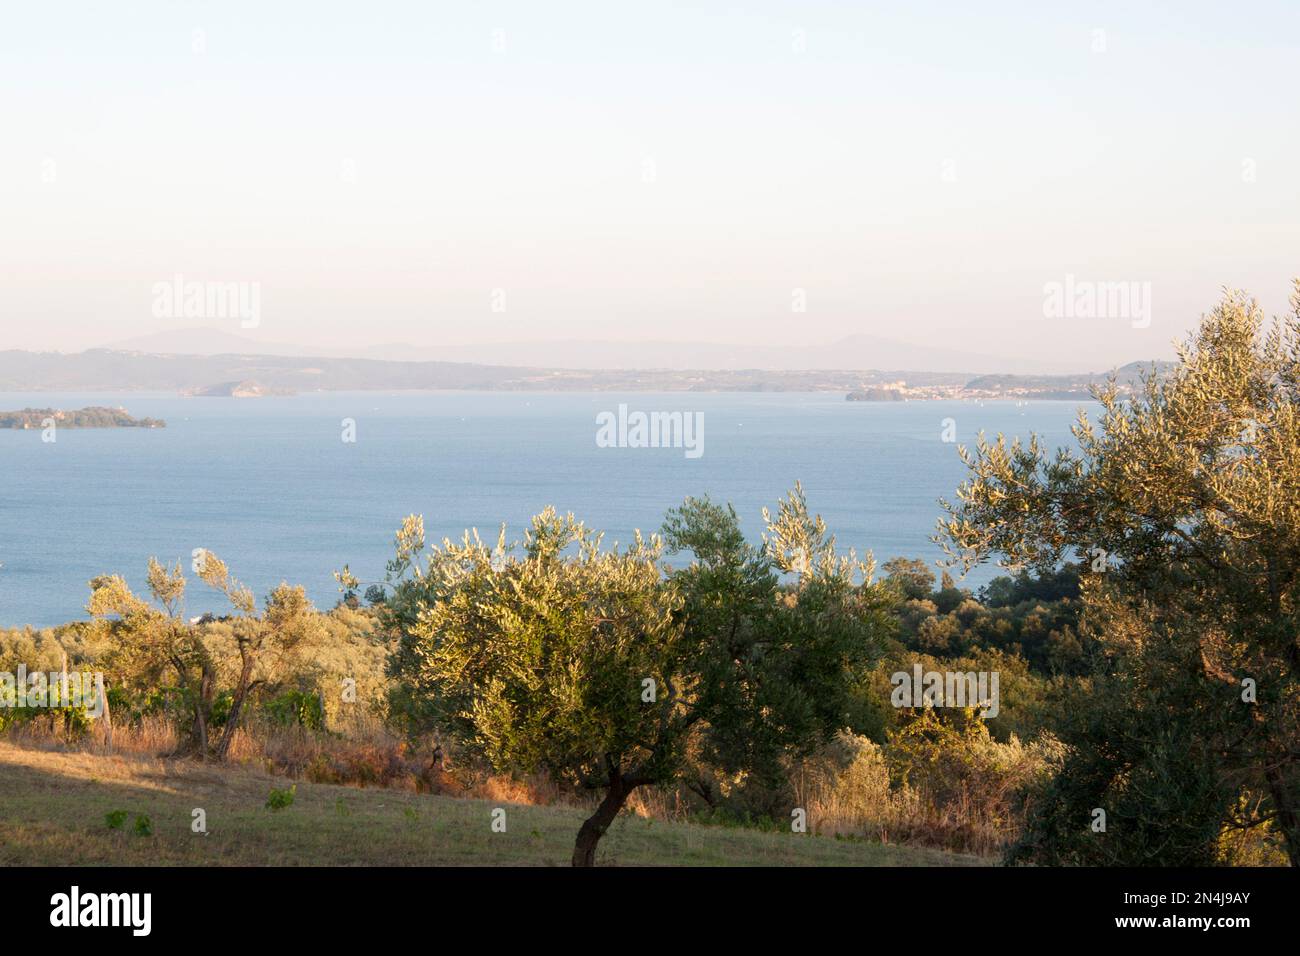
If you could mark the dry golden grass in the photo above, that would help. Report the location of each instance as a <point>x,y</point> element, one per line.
<point>53,806</point>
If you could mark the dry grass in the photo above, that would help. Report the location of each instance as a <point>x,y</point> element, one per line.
<point>361,753</point>
<point>960,793</point>
<point>53,806</point>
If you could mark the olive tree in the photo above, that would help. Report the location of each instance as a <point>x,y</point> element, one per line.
<point>780,637</point>
<point>151,639</point>
<point>1183,503</point>
<point>604,669</point>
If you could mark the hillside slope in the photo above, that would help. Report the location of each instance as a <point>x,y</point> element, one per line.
<point>53,807</point>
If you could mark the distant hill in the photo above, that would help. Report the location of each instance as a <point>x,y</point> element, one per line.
<point>1066,385</point>
<point>853,352</point>
<point>112,370</point>
<point>254,375</point>
<point>204,341</point>
<point>109,370</point>
<point>850,352</point>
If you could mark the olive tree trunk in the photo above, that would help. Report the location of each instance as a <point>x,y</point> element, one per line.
<point>594,827</point>
<point>1288,813</point>
<point>236,709</point>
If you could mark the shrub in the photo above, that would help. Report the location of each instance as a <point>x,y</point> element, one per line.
<point>295,708</point>
<point>279,799</point>
<point>115,818</point>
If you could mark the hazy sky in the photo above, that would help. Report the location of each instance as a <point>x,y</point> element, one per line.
<point>646,171</point>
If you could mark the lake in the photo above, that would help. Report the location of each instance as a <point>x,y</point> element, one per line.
<point>271,487</point>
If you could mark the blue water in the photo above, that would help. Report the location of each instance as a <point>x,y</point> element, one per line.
<point>269,485</point>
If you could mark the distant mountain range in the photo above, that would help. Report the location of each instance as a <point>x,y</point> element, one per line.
<point>269,370</point>
<point>853,352</point>
<point>260,375</point>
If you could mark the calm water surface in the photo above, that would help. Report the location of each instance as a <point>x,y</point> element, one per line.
<point>270,486</point>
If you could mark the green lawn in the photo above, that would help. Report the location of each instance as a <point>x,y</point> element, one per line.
<point>53,807</point>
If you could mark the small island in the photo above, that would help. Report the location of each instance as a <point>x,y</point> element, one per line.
<point>876,394</point>
<point>245,389</point>
<point>93,417</point>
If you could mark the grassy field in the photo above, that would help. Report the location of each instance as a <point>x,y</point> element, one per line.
<point>53,807</point>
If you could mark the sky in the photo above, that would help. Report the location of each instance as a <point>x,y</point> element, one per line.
<point>766,172</point>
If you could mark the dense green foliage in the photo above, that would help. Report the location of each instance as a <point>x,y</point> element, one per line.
<point>1032,617</point>
<point>1185,506</point>
<point>610,671</point>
